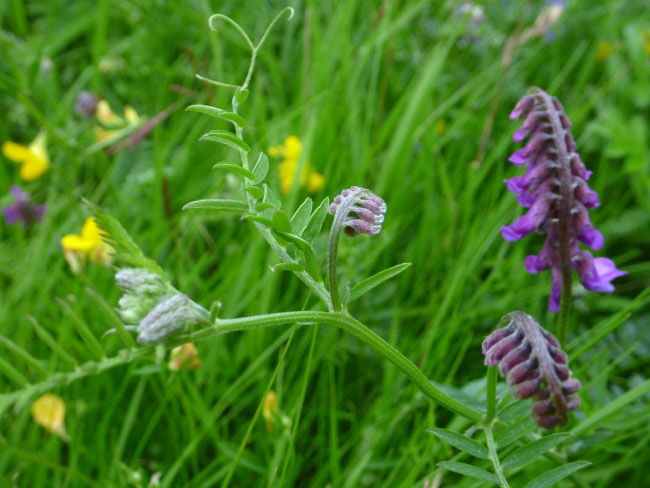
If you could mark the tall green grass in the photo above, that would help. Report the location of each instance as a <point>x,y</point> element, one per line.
<point>387,95</point>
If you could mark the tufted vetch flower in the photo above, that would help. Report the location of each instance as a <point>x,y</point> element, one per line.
<point>358,210</point>
<point>535,366</point>
<point>556,193</point>
<point>33,159</point>
<point>23,209</point>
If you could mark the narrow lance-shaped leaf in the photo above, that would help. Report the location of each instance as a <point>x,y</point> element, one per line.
<point>261,168</point>
<point>51,342</point>
<point>316,220</point>
<point>281,222</point>
<point>554,475</point>
<point>238,120</point>
<point>462,442</point>
<point>469,470</point>
<point>255,191</point>
<point>307,250</point>
<point>227,138</point>
<point>368,284</point>
<point>533,450</point>
<point>235,168</point>
<point>217,205</point>
<point>300,218</point>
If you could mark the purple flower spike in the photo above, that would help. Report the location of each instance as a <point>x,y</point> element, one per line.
<point>556,191</point>
<point>535,366</point>
<point>23,209</point>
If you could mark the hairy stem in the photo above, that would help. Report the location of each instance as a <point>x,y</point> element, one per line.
<point>491,400</point>
<point>494,457</point>
<point>354,327</point>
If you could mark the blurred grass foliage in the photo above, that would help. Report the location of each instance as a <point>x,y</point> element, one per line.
<point>391,95</point>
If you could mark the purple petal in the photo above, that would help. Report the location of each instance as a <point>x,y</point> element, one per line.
<point>596,274</point>
<point>527,127</point>
<point>529,222</point>
<point>585,231</point>
<point>519,157</point>
<point>586,195</point>
<point>523,107</point>
<point>12,213</point>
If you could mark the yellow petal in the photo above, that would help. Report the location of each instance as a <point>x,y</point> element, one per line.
<point>48,411</point>
<point>292,147</point>
<point>102,134</point>
<point>16,152</point>
<point>316,182</point>
<point>33,167</point>
<point>106,116</point>
<point>74,242</point>
<point>131,115</point>
<point>90,231</point>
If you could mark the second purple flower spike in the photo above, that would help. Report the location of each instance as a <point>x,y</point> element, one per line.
<point>555,190</point>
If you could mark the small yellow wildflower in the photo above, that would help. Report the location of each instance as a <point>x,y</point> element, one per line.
<point>269,408</point>
<point>184,356</point>
<point>111,122</point>
<point>89,243</point>
<point>48,411</point>
<point>291,151</point>
<point>33,158</point>
<point>604,50</point>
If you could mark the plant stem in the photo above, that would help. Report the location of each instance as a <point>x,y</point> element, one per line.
<point>491,400</point>
<point>354,327</point>
<point>494,457</point>
<point>332,251</point>
<point>565,306</point>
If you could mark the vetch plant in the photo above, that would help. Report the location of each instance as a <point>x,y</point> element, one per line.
<point>555,190</point>
<point>165,318</point>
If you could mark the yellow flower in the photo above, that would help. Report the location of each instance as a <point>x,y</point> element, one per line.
<point>115,123</point>
<point>269,408</point>
<point>33,158</point>
<point>290,151</point>
<point>106,116</point>
<point>89,243</point>
<point>48,411</point>
<point>184,356</point>
<point>604,50</point>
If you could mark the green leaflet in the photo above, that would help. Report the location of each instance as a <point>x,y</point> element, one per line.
<point>232,117</point>
<point>235,168</point>
<point>261,168</point>
<point>469,470</point>
<point>554,475</point>
<point>462,442</point>
<point>531,451</point>
<point>368,284</point>
<point>216,205</point>
<point>316,221</point>
<point>300,218</point>
<point>227,138</point>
